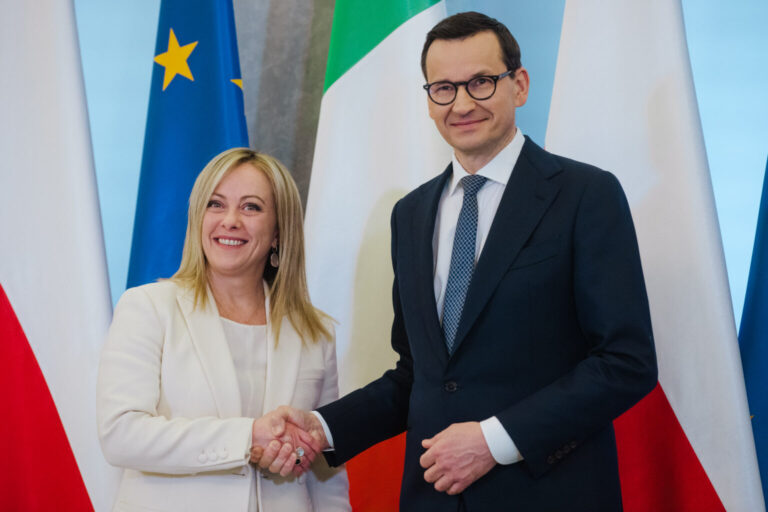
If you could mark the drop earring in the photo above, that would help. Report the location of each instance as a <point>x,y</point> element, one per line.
<point>274,258</point>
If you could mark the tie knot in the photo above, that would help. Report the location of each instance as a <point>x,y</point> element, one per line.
<point>472,184</point>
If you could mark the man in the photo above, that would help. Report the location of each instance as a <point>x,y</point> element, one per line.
<point>521,317</point>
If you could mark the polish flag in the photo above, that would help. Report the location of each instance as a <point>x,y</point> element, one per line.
<point>54,298</point>
<point>624,100</point>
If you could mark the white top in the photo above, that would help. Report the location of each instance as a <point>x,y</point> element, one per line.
<point>498,171</point>
<point>169,409</point>
<point>248,346</point>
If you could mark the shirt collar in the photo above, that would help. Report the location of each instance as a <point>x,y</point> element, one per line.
<point>499,169</point>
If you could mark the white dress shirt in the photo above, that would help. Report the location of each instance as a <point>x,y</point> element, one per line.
<point>248,345</point>
<point>498,171</point>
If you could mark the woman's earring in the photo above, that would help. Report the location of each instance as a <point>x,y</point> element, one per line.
<point>274,258</point>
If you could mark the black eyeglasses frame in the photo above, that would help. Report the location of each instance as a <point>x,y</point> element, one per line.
<point>494,78</point>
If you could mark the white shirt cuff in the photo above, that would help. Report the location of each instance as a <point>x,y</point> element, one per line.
<point>326,430</point>
<point>502,447</point>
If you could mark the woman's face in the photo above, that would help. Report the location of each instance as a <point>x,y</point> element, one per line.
<point>240,224</point>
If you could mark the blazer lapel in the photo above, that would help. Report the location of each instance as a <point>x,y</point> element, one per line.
<point>526,198</point>
<point>424,228</point>
<point>209,341</point>
<point>283,360</point>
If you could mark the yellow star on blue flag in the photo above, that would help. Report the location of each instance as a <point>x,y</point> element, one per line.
<point>174,60</point>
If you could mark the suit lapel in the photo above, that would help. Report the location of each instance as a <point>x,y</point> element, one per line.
<point>209,341</point>
<point>211,345</point>
<point>528,194</point>
<point>283,360</point>
<point>424,228</point>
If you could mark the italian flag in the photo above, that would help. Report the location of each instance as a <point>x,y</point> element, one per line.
<point>624,100</point>
<point>54,299</point>
<point>375,143</point>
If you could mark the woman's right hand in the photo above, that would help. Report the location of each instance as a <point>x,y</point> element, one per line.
<point>274,439</point>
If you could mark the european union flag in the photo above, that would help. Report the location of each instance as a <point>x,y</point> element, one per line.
<point>753,337</point>
<point>195,112</point>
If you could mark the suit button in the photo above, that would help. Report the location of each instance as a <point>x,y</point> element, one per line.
<point>222,453</point>
<point>550,460</point>
<point>559,454</point>
<point>202,458</point>
<point>451,386</point>
<point>566,449</point>
<point>573,444</point>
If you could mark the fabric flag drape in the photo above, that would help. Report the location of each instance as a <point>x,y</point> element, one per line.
<point>54,297</point>
<point>753,336</point>
<point>375,142</point>
<point>623,100</point>
<point>195,112</point>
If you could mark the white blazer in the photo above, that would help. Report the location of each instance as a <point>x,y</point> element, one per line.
<point>168,409</point>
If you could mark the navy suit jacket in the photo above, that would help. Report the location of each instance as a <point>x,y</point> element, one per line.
<point>555,340</point>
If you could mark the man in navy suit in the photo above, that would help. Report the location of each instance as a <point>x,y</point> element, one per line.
<point>521,317</point>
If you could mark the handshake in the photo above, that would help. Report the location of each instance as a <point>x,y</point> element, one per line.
<point>287,440</point>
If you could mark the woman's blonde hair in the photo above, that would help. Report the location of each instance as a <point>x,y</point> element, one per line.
<point>288,282</point>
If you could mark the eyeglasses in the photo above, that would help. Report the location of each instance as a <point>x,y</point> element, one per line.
<point>480,88</point>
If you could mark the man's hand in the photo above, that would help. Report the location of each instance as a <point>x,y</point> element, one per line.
<point>273,443</point>
<point>456,457</point>
<point>306,421</point>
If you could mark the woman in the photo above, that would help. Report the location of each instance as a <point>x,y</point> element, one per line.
<point>190,362</point>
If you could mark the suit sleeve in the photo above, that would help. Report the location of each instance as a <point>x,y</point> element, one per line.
<point>329,487</point>
<point>613,315</point>
<point>132,432</point>
<point>379,410</point>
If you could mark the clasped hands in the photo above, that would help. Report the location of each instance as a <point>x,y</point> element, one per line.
<point>454,458</point>
<point>286,441</point>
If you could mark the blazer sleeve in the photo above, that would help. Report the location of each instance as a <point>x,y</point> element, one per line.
<point>379,410</point>
<point>613,315</point>
<point>328,487</point>
<point>131,431</point>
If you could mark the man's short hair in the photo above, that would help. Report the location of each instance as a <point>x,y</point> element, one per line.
<point>465,24</point>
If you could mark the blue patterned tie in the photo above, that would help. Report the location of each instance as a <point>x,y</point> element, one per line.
<point>462,259</point>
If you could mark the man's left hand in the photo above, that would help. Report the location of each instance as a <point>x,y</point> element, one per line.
<point>456,457</point>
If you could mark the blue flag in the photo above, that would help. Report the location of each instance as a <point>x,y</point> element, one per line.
<point>753,337</point>
<point>195,112</point>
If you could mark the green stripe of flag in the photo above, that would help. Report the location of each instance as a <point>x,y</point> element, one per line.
<point>359,25</point>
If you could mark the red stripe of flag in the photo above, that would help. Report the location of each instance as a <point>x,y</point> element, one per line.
<point>658,468</point>
<point>375,476</point>
<point>40,472</point>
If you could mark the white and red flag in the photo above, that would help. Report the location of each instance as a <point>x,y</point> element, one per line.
<point>624,100</point>
<point>54,299</point>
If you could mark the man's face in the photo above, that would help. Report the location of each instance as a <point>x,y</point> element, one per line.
<point>476,129</point>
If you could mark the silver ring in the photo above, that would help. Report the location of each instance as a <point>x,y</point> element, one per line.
<point>300,451</point>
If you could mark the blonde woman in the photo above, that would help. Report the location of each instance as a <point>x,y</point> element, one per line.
<point>191,364</point>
